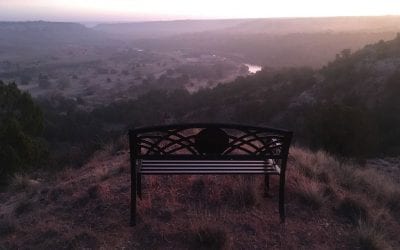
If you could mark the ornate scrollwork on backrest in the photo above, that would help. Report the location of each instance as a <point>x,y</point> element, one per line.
<point>205,140</point>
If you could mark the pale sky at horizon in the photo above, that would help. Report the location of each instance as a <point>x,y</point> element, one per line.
<point>137,10</point>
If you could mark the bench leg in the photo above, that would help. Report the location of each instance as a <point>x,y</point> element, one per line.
<point>266,185</point>
<point>282,197</point>
<point>133,195</point>
<point>139,185</point>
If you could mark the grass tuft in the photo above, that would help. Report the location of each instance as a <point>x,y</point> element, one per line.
<point>102,174</point>
<point>370,237</point>
<point>7,226</point>
<point>352,210</point>
<point>198,188</point>
<point>93,192</point>
<point>210,238</point>
<point>311,193</point>
<point>240,196</point>
<point>23,206</point>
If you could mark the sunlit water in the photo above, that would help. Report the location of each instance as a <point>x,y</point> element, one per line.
<point>253,68</point>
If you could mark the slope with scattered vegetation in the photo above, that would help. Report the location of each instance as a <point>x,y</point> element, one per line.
<point>330,204</point>
<point>349,108</point>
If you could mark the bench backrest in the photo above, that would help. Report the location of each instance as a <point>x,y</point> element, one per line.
<point>209,141</point>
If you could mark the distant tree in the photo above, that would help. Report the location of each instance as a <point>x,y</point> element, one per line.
<point>44,81</point>
<point>21,124</point>
<point>25,79</point>
<point>344,54</point>
<point>64,83</point>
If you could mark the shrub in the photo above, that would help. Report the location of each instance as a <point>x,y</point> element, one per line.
<point>21,123</point>
<point>342,130</point>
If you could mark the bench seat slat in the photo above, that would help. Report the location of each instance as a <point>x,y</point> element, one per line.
<point>204,161</point>
<point>207,172</point>
<point>194,164</point>
<point>207,167</point>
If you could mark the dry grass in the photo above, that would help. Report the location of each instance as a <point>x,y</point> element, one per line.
<point>7,226</point>
<point>323,168</point>
<point>115,146</point>
<point>89,208</point>
<point>357,192</point>
<point>370,237</point>
<point>380,188</point>
<point>239,193</point>
<point>210,237</point>
<point>317,166</point>
<point>352,209</point>
<point>311,193</point>
<point>102,174</point>
<point>23,206</point>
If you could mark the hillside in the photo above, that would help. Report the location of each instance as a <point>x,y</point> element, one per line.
<point>271,42</point>
<point>268,42</point>
<point>349,108</point>
<point>25,39</point>
<point>79,198</point>
<point>272,26</point>
<point>158,29</point>
<point>275,42</point>
<point>319,24</point>
<point>329,205</point>
<point>267,49</point>
<point>357,93</point>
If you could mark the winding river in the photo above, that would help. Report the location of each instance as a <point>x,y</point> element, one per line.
<point>253,68</point>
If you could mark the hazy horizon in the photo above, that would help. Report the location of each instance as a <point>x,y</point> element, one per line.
<point>157,10</point>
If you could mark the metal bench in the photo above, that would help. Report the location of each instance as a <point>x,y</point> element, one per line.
<point>207,149</point>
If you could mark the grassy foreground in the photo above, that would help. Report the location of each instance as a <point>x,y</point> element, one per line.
<point>330,205</point>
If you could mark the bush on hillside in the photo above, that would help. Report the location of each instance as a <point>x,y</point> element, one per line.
<point>342,130</point>
<point>21,124</point>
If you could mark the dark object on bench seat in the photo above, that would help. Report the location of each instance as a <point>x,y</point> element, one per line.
<point>208,149</point>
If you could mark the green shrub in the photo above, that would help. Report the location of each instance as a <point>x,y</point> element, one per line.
<point>348,131</point>
<point>21,124</point>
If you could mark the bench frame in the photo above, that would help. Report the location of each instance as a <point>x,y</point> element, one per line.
<point>208,148</point>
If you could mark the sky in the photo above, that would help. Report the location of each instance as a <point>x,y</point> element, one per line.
<point>142,10</point>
